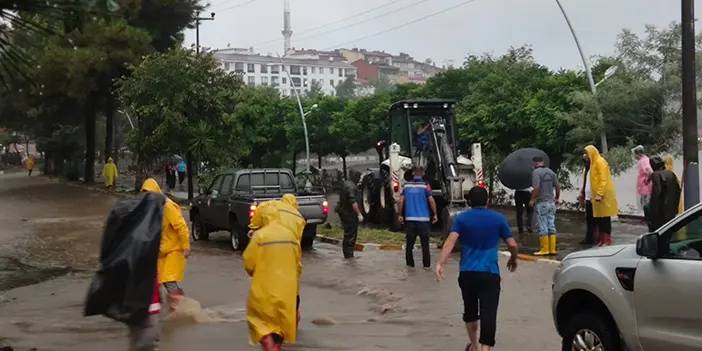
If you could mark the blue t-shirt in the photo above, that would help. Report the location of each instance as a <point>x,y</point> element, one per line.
<point>417,195</point>
<point>181,166</point>
<point>480,231</point>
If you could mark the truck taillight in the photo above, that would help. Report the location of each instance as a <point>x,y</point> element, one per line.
<point>325,207</point>
<point>395,186</point>
<point>482,184</point>
<point>252,211</point>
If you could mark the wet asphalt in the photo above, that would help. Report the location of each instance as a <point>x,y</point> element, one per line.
<point>49,244</point>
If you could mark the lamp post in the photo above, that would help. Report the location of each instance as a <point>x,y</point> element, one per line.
<point>588,72</point>
<point>303,114</point>
<point>197,28</point>
<point>188,156</point>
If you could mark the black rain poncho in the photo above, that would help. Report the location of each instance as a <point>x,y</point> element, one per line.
<point>123,286</point>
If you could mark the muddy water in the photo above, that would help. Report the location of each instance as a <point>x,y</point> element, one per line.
<point>47,229</point>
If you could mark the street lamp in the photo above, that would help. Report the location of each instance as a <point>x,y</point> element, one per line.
<point>591,81</point>
<point>608,74</point>
<point>197,28</point>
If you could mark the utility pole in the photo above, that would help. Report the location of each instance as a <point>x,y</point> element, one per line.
<point>593,87</point>
<point>689,106</point>
<point>188,157</point>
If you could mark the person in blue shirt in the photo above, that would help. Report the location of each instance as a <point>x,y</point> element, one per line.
<point>479,231</point>
<point>181,167</point>
<point>415,202</point>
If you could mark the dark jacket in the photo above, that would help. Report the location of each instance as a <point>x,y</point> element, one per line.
<point>665,194</point>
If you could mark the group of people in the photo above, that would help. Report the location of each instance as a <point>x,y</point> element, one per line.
<point>175,171</point>
<point>658,190</point>
<point>657,187</point>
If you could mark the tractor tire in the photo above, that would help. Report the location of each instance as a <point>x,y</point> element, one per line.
<point>368,200</point>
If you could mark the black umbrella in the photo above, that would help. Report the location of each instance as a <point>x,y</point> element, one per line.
<point>515,170</point>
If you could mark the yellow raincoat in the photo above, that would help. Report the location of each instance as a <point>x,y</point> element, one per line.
<point>272,259</point>
<point>29,163</point>
<point>109,172</point>
<point>602,185</point>
<point>669,166</point>
<point>290,217</point>
<point>175,238</point>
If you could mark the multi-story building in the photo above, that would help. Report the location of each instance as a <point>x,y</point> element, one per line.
<point>401,68</point>
<point>306,70</point>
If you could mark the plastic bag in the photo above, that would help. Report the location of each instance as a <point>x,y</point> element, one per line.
<point>124,283</point>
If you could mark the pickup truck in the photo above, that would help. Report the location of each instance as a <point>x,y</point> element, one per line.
<point>230,201</point>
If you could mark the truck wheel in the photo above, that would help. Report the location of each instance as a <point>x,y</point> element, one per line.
<point>368,200</point>
<point>308,236</point>
<point>239,239</point>
<point>198,229</point>
<point>590,331</point>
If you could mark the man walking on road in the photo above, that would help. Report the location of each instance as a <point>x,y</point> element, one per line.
<point>350,215</point>
<point>665,194</point>
<point>479,231</point>
<point>415,202</point>
<point>174,248</point>
<point>545,183</point>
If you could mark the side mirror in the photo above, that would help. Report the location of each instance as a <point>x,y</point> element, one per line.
<point>648,246</point>
<point>214,193</point>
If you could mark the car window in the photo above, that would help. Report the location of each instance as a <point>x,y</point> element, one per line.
<point>286,182</point>
<point>226,188</point>
<point>257,179</point>
<point>244,183</point>
<point>685,239</point>
<point>216,183</point>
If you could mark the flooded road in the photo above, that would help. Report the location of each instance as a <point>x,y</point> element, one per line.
<point>374,302</point>
<point>48,228</point>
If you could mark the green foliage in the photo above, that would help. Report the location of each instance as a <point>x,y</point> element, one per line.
<point>183,104</point>
<point>347,88</point>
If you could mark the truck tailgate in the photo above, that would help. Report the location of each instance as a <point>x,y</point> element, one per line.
<point>311,207</point>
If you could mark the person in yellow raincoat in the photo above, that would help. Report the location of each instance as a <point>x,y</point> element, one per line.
<point>109,173</point>
<point>272,259</point>
<point>174,248</point>
<point>604,197</point>
<point>290,215</point>
<point>29,165</point>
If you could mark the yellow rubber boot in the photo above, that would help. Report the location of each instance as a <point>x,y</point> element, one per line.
<point>543,241</point>
<point>552,244</point>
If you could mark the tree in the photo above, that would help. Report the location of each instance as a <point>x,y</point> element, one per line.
<point>381,84</point>
<point>315,89</point>
<point>183,104</point>
<point>347,88</point>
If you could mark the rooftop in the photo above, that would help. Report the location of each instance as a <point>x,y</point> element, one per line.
<point>257,58</point>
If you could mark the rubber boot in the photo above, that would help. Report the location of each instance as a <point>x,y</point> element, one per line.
<point>543,241</point>
<point>552,244</point>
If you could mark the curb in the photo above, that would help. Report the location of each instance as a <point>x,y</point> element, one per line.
<point>531,258</point>
<point>364,246</point>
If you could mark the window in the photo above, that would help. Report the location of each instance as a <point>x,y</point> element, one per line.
<point>331,82</point>
<point>341,72</point>
<point>251,68</point>
<point>305,83</point>
<point>251,80</point>
<point>275,81</point>
<point>264,81</point>
<point>296,81</point>
<point>226,66</point>
<point>275,69</point>
<point>295,70</point>
<point>331,70</point>
<point>304,71</point>
<point>215,184</point>
<point>685,239</point>
<point>238,67</point>
<point>244,183</point>
<point>264,68</point>
<point>226,188</point>
<point>285,81</point>
<point>314,70</point>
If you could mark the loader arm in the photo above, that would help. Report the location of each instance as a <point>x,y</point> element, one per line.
<point>451,182</point>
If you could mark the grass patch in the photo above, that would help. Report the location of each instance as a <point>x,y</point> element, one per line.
<point>369,235</point>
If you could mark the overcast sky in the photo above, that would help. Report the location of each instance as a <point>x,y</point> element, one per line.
<point>479,26</point>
